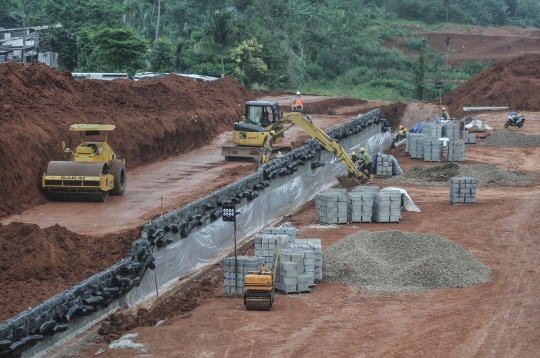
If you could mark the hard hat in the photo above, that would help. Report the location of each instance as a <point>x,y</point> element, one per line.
<point>272,132</point>
<point>298,92</point>
<point>444,108</point>
<point>353,153</point>
<point>400,126</point>
<point>362,150</point>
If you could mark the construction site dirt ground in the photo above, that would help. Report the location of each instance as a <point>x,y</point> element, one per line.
<point>498,319</point>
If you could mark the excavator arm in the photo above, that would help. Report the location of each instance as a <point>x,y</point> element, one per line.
<point>295,118</point>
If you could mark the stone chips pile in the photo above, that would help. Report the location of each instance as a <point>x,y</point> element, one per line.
<point>394,261</point>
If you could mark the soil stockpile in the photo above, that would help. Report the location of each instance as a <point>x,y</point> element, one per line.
<point>326,106</point>
<point>154,119</point>
<point>394,261</point>
<point>439,175</point>
<point>507,138</point>
<point>511,83</point>
<point>36,264</point>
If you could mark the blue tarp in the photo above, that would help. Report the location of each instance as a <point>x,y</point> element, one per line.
<point>417,128</point>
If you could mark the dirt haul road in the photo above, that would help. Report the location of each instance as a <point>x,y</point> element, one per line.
<point>498,319</point>
<point>176,181</point>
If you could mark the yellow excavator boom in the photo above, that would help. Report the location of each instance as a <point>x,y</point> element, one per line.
<point>295,118</point>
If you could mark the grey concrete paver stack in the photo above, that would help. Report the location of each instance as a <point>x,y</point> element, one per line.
<point>451,131</point>
<point>331,206</point>
<point>244,265</point>
<point>415,145</point>
<point>455,151</point>
<point>433,130</point>
<point>385,165</point>
<point>360,206</point>
<point>433,150</point>
<point>468,137</point>
<point>463,190</point>
<point>387,206</point>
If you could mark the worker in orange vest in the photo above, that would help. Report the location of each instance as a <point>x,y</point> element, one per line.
<point>298,103</point>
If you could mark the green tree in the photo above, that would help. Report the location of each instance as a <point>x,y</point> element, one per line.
<point>162,55</point>
<point>419,75</point>
<point>245,58</point>
<point>221,30</point>
<point>119,49</point>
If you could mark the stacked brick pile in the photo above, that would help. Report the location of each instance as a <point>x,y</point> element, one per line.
<point>331,206</point>
<point>433,150</point>
<point>415,145</point>
<point>387,206</point>
<point>433,130</point>
<point>462,190</point>
<point>468,137</point>
<point>244,264</point>
<point>384,165</point>
<point>455,151</point>
<point>451,131</point>
<point>360,205</point>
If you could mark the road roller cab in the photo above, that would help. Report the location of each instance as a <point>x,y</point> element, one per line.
<point>92,172</point>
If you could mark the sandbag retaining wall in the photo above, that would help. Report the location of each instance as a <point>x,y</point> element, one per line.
<point>188,238</point>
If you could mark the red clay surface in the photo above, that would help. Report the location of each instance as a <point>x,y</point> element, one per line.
<point>498,319</point>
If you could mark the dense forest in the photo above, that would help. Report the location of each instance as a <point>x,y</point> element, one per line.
<point>319,46</point>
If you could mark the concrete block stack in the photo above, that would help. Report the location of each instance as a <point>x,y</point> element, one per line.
<point>287,275</point>
<point>416,146</point>
<point>451,131</point>
<point>411,143</point>
<point>265,248</point>
<point>462,190</point>
<point>244,265</point>
<point>312,251</point>
<point>433,130</point>
<point>468,137</point>
<point>360,206</point>
<point>433,150</point>
<point>331,206</point>
<point>385,165</point>
<point>455,151</point>
<point>387,206</point>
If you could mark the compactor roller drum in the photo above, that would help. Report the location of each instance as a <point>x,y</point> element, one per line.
<point>92,172</point>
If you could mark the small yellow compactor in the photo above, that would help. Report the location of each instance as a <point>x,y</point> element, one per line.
<point>259,290</point>
<point>92,172</point>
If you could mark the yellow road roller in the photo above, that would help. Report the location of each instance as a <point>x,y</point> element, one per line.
<point>92,172</point>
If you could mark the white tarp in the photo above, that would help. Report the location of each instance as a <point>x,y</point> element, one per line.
<point>408,204</point>
<point>479,125</point>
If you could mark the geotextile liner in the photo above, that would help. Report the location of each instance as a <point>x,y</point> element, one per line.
<point>394,261</point>
<point>439,175</point>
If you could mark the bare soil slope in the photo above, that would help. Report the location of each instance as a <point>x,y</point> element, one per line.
<point>155,119</point>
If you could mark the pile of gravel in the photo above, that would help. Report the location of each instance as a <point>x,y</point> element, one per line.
<point>439,175</point>
<point>506,138</point>
<point>394,261</point>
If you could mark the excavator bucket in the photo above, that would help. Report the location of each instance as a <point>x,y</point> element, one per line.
<point>348,182</point>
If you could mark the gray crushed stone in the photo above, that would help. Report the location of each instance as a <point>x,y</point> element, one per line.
<point>439,175</point>
<point>508,138</point>
<point>394,261</point>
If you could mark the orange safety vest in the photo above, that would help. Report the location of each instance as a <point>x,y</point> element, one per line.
<point>298,101</point>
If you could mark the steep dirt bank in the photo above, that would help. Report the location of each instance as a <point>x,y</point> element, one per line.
<point>154,119</point>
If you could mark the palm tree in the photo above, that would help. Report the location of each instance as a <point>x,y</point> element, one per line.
<point>221,30</point>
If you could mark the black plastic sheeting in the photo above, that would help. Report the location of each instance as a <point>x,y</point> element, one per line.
<point>97,292</point>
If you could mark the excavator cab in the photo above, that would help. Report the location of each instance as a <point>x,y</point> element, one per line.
<point>262,113</point>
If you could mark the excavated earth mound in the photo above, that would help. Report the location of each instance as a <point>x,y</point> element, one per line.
<point>326,106</point>
<point>394,261</point>
<point>511,83</point>
<point>507,138</point>
<point>154,119</point>
<point>439,175</point>
<point>36,264</point>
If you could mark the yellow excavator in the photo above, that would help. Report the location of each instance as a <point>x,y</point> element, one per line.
<point>261,117</point>
<point>92,172</point>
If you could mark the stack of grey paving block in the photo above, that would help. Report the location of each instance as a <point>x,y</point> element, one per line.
<point>433,130</point>
<point>387,206</point>
<point>451,131</point>
<point>385,165</point>
<point>411,142</point>
<point>360,206</point>
<point>416,146</point>
<point>312,249</point>
<point>455,151</point>
<point>287,274</point>
<point>433,150</point>
<point>468,137</point>
<point>462,190</point>
<point>266,242</point>
<point>331,206</point>
<point>245,264</point>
